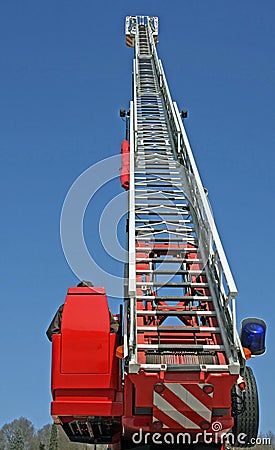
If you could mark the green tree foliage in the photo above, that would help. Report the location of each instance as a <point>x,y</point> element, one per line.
<point>15,432</point>
<point>17,441</point>
<point>53,440</point>
<point>43,436</point>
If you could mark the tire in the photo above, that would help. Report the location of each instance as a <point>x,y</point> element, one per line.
<point>245,409</point>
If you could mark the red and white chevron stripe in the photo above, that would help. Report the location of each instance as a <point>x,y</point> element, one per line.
<point>184,406</point>
<point>129,40</point>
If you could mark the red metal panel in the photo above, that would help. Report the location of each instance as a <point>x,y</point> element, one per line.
<point>85,371</point>
<point>78,381</point>
<point>85,332</point>
<point>125,169</point>
<point>182,405</point>
<point>86,408</point>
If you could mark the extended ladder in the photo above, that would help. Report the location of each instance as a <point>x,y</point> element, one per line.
<point>180,304</point>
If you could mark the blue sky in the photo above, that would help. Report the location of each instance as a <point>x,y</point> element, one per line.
<point>64,74</point>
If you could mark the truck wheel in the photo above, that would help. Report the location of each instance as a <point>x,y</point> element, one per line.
<point>245,409</point>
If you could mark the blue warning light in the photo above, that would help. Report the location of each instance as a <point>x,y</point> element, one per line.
<point>253,335</point>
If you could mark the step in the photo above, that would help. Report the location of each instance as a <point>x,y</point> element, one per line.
<point>174,231</point>
<point>180,298</point>
<point>185,234</point>
<point>170,260</point>
<point>176,193</point>
<point>177,272</point>
<point>153,184</point>
<point>165,284</point>
<point>171,249</point>
<point>158,312</point>
<point>162,213</point>
<point>187,347</point>
<point>168,222</point>
<point>163,205</point>
<point>179,329</point>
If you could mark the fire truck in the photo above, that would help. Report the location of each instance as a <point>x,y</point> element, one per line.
<point>175,373</point>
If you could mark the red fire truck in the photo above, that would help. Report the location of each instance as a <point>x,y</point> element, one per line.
<point>175,373</point>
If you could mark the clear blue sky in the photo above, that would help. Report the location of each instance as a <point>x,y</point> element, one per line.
<point>64,74</point>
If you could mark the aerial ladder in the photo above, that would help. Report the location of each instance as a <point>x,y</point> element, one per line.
<point>176,371</point>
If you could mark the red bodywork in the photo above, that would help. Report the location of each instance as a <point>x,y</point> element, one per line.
<point>85,371</point>
<point>181,405</point>
<point>87,382</point>
<point>183,400</point>
<point>125,167</point>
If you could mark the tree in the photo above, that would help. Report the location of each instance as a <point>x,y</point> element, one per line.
<point>17,441</point>
<point>44,436</point>
<point>19,427</point>
<point>21,435</point>
<point>53,440</point>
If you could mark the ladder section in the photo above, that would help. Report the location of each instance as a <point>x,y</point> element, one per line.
<point>176,322</point>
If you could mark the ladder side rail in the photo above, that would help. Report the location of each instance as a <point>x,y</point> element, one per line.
<point>227,315</point>
<point>197,194</point>
<point>206,211</point>
<point>227,319</point>
<point>199,198</point>
<point>131,233</point>
<point>232,319</point>
<point>224,313</point>
<point>212,245</point>
<point>236,338</point>
<point>125,328</point>
<point>177,137</point>
<point>135,114</point>
<point>176,132</point>
<point>230,312</point>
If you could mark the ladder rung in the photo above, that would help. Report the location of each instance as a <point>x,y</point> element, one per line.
<point>182,298</point>
<point>180,329</point>
<point>164,230</point>
<point>142,183</point>
<point>170,198</point>
<point>152,237</point>
<point>172,231</point>
<point>147,172</point>
<point>187,367</point>
<point>171,249</point>
<point>172,284</point>
<point>172,272</point>
<point>169,260</point>
<point>175,313</point>
<point>177,192</point>
<point>181,347</point>
<point>150,163</point>
<point>157,222</point>
<point>163,205</point>
<point>164,180</point>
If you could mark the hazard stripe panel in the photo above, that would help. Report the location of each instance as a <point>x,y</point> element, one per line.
<point>185,406</point>
<point>173,413</point>
<point>129,41</point>
<point>194,404</point>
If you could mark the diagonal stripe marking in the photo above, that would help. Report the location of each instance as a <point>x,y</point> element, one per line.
<point>189,399</point>
<point>182,407</point>
<point>170,411</point>
<point>197,391</point>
